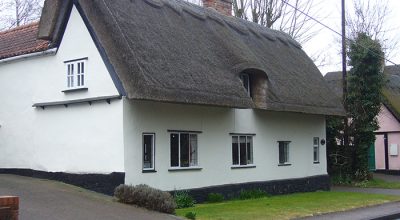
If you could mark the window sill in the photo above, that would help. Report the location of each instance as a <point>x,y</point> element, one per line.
<point>172,169</point>
<point>149,171</point>
<point>243,166</point>
<point>284,164</point>
<point>75,89</point>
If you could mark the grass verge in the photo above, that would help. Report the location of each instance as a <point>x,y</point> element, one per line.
<point>286,206</point>
<point>379,183</point>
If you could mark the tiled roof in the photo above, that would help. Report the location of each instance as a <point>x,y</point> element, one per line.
<point>21,40</point>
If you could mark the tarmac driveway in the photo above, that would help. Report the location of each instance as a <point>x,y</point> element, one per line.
<point>45,199</point>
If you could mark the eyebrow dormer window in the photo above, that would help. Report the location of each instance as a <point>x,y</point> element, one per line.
<point>245,78</point>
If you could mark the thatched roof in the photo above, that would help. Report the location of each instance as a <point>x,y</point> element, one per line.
<point>173,51</point>
<point>391,90</point>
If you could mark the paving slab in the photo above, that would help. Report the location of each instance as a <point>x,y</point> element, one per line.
<point>45,199</point>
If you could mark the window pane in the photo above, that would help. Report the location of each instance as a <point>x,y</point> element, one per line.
<point>83,67</point>
<point>82,80</point>
<point>235,150</point>
<point>249,150</point>
<point>79,80</point>
<point>246,82</point>
<point>72,75</point>
<point>148,151</point>
<point>174,150</point>
<point>193,150</point>
<point>79,68</point>
<point>185,150</point>
<point>242,150</point>
<point>281,152</point>
<point>316,141</point>
<point>286,152</point>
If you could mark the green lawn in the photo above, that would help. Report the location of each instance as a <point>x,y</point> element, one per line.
<point>287,206</point>
<point>379,183</point>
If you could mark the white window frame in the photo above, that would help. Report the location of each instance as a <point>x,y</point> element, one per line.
<point>245,78</point>
<point>74,73</point>
<point>316,149</point>
<point>251,146</point>
<point>286,152</point>
<point>153,147</point>
<point>179,133</point>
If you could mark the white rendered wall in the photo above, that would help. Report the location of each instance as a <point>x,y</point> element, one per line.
<point>82,138</point>
<point>214,144</point>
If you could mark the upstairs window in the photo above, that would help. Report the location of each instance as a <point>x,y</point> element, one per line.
<point>183,149</point>
<point>242,150</point>
<point>245,78</point>
<point>284,152</point>
<point>76,70</point>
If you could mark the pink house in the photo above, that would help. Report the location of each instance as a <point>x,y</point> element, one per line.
<point>385,155</point>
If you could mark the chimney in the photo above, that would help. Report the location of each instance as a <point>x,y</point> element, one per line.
<point>222,6</point>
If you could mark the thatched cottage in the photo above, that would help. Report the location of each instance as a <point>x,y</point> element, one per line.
<point>164,93</point>
<point>384,154</point>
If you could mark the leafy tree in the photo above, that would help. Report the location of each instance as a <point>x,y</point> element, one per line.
<point>364,99</point>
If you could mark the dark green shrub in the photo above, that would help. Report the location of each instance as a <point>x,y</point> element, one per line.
<point>147,197</point>
<point>252,194</point>
<point>215,197</point>
<point>183,199</point>
<point>191,215</point>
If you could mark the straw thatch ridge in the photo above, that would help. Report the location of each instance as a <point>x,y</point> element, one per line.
<point>173,51</point>
<point>391,90</point>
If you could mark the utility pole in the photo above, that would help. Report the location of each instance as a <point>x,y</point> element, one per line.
<point>344,80</point>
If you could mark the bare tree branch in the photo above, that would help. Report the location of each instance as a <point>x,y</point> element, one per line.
<point>370,17</point>
<point>19,12</point>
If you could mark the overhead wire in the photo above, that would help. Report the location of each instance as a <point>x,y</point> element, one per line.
<point>333,30</point>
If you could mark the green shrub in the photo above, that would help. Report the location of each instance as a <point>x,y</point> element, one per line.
<point>191,215</point>
<point>183,199</point>
<point>252,194</point>
<point>215,197</point>
<point>147,197</point>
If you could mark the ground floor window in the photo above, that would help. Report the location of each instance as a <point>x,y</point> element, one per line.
<point>242,150</point>
<point>148,151</point>
<point>183,149</point>
<point>316,150</point>
<point>284,152</point>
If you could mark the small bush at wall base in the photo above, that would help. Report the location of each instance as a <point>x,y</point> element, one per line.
<point>147,197</point>
<point>252,194</point>
<point>215,197</point>
<point>191,215</point>
<point>183,199</point>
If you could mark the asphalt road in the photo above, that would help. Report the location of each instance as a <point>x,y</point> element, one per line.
<point>384,211</point>
<point>47,200</point>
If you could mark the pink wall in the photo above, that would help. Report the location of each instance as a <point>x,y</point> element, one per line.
<point>388,123</point>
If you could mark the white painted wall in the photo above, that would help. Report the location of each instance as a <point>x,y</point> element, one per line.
<point>214,143</point>
<point>82,138</point>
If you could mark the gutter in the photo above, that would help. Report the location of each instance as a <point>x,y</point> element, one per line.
<point>30,55</point>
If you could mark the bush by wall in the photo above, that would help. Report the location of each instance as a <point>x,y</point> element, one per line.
<point>215,197</point>
<point>183,199</point>
<point>252,194</point>
<point>147,197</point>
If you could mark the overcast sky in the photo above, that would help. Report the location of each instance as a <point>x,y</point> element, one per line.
<point>327,42</point>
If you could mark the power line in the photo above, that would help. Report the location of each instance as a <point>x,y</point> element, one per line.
<point>331,29</point>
